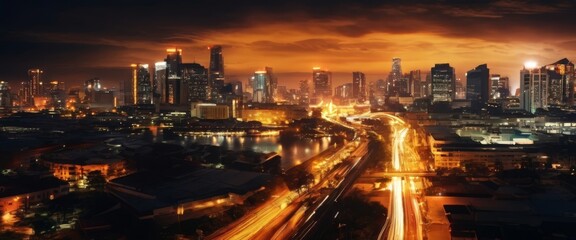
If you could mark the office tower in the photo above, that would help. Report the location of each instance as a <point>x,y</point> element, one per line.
<point>499,86</point>
<point>394,78</point>
<point>237,88</point>
<point>173,76</point>
<point>322,80</point>
<point>216,71</point>
<point>262,87</point>
<point>159,87</point>
<point>90,87</point>
<point>196,78</point>
<point>561,78</point>
<point>359,86</point>
<point>504,87</point>
<point>379,92</point>
<point>141,84</point>
<point>533,88</point>
<point>494,85</point>
<point>443,83</point>
<point>25,99</point>
<point>478,84</point>
<point>273,84</point>
<point>460,89</point>
<point>415,82</point>
<point>344,91</point>
<point>304,92</point>
<point>35,81</point>
<point>5,96</point>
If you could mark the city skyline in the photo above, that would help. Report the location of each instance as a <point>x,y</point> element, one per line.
<point>343,37</point>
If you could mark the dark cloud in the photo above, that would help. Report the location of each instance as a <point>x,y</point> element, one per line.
<point>68,34</point>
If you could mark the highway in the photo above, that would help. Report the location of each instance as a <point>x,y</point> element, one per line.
<point>263,222</point>
<point>404,220</point>
<point>322,213</point>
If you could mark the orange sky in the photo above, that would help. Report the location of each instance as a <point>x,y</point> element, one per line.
<point>77,42</point>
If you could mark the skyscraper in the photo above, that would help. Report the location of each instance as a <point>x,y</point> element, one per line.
<point>322,84</point>
<point>359,86</point>
<point>395,78</point>
<point>90,87</point>
<point>173,76</point>
<point>561,78</point>
<point>196,77</point>
<point>35,78</point>
<point>262,91</point>
<point>478,84</point>
<point>443,83</point>
<point>141,84</point>
<point>415,83</point>
<point>5,96</point>
<point>304,92</point>
<point>159,83</point>
<point>216,71</point>
<point>533,88</point>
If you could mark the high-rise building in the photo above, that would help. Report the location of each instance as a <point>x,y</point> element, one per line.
<point>141,84</point>
<point>561,77</point>
<point>322,84</point>
<point>304,92</point>
<point>90,87</point>
<point>196,77</point>
<point>216,71</point>
<point>533,88</point>
<point>504,87</point>
<point>499,86</point>
<point>237,88</point>
<point>344,91</point>
<point>478,84</point>
<point>159,83</point>
<point>395,78</point>
<point>35,79</point>
<point>415,83</point>
<point>5,96</point>
<point>494,82</point>
<point>173,76</point>
<point>359,86</point>
<point>262,86</point>
<point>443,83</point>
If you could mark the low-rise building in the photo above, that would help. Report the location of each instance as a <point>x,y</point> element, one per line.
<point>181,194</point>
<point>74,165</point>
<point>22,191</point>
<point>452,151</point>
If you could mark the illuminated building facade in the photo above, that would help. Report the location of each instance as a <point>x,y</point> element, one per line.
<point>533,88</point>
<point>415,84</point>
<point>141,84</point>
<point>443,83</point>
<point>561,82</point>
<point>359,86</point>
<point>304,97</point>
<point>209,111</point>
<point>5,96</point>
<point>159,87</point>
<point>262,87</point>
<point>395,78</point>
<point>196,79</point>
<point>322,80</point>
<point>216,71</point>
<point>499,86</point>
<point>477,84</point>
<point>90,87</point>
<point>173,76</point>
<point>35,78</point>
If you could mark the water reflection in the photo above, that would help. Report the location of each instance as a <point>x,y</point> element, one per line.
<point>293,152</point>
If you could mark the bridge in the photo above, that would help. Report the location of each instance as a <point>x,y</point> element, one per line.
<point>377,175</point>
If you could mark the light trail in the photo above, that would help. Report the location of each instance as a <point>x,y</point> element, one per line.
<point>405,219</point>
